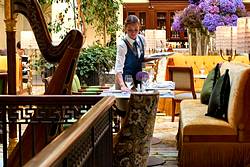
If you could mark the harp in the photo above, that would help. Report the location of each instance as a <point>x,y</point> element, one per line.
<point>65,54</point>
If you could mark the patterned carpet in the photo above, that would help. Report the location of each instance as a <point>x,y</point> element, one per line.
<point>166,131</point>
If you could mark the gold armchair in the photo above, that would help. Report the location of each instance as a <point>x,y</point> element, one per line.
<point>184,81</point>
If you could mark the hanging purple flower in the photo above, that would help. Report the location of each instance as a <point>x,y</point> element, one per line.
<point>177,25</point>
<point>209,14</point>
<point>214,9</point>
<point>190,17</point>
<point>211,21</point>
<point>204,7</point>
<point>221,12</point>
<point>227,6</point>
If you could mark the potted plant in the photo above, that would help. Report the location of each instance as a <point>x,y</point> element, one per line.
<point>93,62</point>
<point>43,67</point>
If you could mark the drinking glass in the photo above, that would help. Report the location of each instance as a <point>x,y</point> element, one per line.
<point>151,77</point>
<point>129,81</point>
<point>145,82</point>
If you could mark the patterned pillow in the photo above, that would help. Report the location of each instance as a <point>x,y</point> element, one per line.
<point>209,83</point>
<point>218,101</point>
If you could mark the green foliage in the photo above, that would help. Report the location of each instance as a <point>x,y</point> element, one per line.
<point>45,1</point>
<point>96,58</point>
<point>42,66</point>
<point>103,15</point>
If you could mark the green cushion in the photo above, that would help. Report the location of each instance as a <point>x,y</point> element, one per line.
<point>78,85</point>
<point>74,86</point>
<point>209,83</point>
<point>92,90</point>
<point>218,101</point>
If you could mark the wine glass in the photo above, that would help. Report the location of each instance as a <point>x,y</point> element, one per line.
<point>145,82</point>
<point>129,81</point>
<point>151,77</point>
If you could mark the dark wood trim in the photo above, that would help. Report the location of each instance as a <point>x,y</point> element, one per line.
<point>247,6</point>
<point>11,62</point>
<point>154,7</point>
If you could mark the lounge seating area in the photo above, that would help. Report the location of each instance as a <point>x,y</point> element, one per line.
<point>208,141</point>
<point>196,62</point>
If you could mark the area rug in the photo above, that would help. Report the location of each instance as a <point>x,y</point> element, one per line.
<point>166,131</point>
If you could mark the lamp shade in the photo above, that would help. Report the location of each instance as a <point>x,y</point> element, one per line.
<point>226,38</point>
<point>243,35</point>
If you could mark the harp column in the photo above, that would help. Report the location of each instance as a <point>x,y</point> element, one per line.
<point>10,23</point>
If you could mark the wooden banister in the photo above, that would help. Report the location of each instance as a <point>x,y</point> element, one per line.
<point>42,111</point>
<point>59,149</point>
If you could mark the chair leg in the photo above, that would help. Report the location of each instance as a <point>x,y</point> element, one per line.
<point>173,109</point>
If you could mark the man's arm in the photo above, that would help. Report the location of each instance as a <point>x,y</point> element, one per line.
<point>120,82</point>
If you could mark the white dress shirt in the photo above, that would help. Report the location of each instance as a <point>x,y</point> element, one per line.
<point>122,51</point>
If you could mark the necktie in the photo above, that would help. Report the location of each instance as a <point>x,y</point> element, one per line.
<point>135,44</point>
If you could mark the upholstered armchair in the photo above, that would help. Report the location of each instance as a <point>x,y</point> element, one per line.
<point>184,81</point>
<point>132,143</point>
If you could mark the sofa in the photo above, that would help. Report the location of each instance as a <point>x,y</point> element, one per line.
<point>211,142</point>
<point>208,62</point>
<point>3,67</point>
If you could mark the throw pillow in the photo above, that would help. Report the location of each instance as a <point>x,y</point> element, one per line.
<point>218,101</point>
<point>209,83</point>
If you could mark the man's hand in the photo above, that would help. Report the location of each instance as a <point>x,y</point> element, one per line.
<point>121,83</point>
<point>125,89</point>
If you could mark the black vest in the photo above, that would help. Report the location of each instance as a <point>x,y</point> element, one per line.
<point>133,64</point>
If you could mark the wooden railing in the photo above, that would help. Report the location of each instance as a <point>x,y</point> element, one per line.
<point>86,142</point>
